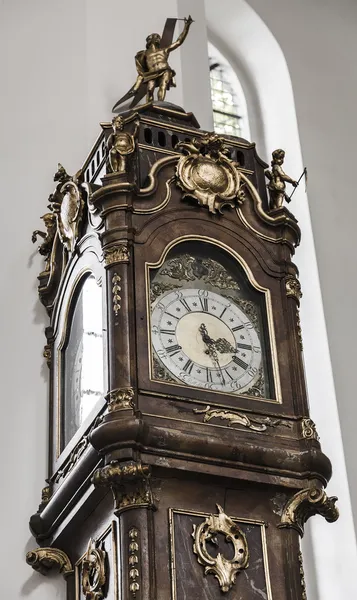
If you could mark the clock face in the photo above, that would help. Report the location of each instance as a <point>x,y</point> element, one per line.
<point>205,340</point>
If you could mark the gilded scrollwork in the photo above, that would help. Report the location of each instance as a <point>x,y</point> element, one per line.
<point>298,328</point>
<point>94,571</point>
<point>255,423</point>
<point>160,373</point>
<point>44,560</point>
<point>45,249</point>
<point>120,399</point>
<point>308,429</point>
<point>190,268</point>
<point>225,570</point>
<point>306,503</point>
<point>72,460</point>
<point>158,288</point>
<point>206,173</point>
<point>119,253</point>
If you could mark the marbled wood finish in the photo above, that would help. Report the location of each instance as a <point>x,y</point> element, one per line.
<point>250,584</point>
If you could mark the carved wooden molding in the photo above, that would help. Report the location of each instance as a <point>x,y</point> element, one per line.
<point>305,504</point>
<point>44,560</point>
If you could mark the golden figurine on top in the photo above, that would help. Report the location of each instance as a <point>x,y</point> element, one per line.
<point>152,64</point>
<point>277,180</point>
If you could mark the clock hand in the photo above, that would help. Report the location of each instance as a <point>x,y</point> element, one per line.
<point>211,350</point>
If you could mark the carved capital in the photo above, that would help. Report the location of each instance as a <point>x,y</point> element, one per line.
<point>293,288</point>
<point>94,571</point>
<point>305,504</point>
<point>308,429</point>
<point>116,254</point>
<point>224,569</point>
<point>120,399</point>
<point>44,560</point>
<point>129,482</point>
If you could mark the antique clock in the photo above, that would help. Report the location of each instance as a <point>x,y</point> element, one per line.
<point>183,461</point>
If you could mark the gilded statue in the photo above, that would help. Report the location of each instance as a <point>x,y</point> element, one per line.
<point>120,144</point>
<point>45,249</point>
<point>277,180</point>
<point>153,67</point>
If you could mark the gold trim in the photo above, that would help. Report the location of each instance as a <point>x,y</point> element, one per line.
<point>166,200</point>
<point>253,282</point>
<point>155,149</point>
<point>262,524</point>
<point>255,423</point>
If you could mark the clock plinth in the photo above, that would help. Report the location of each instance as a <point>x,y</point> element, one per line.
<point>184,461</point>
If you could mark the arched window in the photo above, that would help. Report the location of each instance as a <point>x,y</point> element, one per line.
<point>228,101</point>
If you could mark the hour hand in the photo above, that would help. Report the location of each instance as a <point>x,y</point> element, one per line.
<point>204,334</point>
<point>224,346</point>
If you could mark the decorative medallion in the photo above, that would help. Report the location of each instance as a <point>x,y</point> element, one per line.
<point>305,504</point>
<point>94,571</point>
<point>308,428</point>
<point>120,399</point>
<point>44,560</point>
<point>116,254</point>
<point>224,569</point>
<point>235,418</point>
<point>207,174</point>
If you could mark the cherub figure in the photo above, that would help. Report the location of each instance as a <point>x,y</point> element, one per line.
<point>45,248</point>
<point>277,179</point>
<point>153,67</point>
<point>120,145</point>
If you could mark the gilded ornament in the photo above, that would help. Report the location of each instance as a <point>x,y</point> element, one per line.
<point>225,570</point>
<point>153,67</point>
<point>299,331</point>
<point>115,473</point>
<point>120,399</point>
<point>134,573</point>
<point>309,431</point>
<point>302,577</point>
<point>45,249</point>
<point>67,204</point>
<point>73,458</point>
<point>120,144</point>
<point>306,503</point>
<point>115,290</point>
<point>160,373</point>
<point>129,482</point>
<point>45,497</point>
<point>116,254</point>
<point>47,354</point>
<point>190,268</point>
<point>293,288</point>
<point>277,180</point>
<point>235,418</point>
<point>94,571</point>
<point>44,560</point>
<point>205,173</point>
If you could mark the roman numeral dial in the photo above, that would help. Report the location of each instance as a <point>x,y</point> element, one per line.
<point>205,340</point>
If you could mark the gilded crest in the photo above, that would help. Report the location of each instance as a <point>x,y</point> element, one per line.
<point>67,204</point>
<point>206,173</point>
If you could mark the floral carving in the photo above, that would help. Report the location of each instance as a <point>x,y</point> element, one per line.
<point>309,430</point>
<point>116,254</point>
